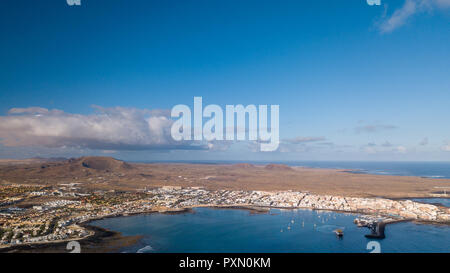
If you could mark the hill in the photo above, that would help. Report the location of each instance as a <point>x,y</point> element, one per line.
<point>244,166</point>
<point>100,163</point>
<point>278,167</point>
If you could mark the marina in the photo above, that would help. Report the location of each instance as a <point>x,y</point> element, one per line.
<point>238,230</point>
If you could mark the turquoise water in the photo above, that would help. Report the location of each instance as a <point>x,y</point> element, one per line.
<point>234,230</point>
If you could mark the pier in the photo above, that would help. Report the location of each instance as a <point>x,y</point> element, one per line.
<point>376,226</point>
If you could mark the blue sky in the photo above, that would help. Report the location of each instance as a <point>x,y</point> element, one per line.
<point>353,81</point>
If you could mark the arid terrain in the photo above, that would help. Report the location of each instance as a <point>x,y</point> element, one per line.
<point>105,173</point>
<point>46,201</point>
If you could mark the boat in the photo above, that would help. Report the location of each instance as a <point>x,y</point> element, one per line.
<point>339,232</point>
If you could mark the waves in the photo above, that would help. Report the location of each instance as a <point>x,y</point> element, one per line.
<point>431,170</point>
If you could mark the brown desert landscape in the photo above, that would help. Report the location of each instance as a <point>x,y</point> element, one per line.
<point>106,173</point>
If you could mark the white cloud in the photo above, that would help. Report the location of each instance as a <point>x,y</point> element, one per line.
<point>115,128</point>
<point>298,140</point>
<point>222,145</point>
<point>400,149</point>
<point>385,148</point>
<point>370,150</point>
<point>386,144</point>
<point>424,142</point>
<point>442,3</point>
<point>373,128</point>
<point>411,7</point>
<point>304,144</point>
<point>399,17</point>
<point>29,110</point>
<point>446,148</point>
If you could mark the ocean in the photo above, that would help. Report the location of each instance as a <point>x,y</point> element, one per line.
<point>421,169</point>
<point>238,230</point>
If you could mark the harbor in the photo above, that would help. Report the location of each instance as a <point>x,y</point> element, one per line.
<point>279,230</point>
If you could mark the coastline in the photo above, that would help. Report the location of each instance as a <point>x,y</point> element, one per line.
<point>195,188</point>
<point>102,240</point>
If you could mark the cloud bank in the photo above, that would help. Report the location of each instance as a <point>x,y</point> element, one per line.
<point>115,128</point>
<point>299,140</point>
<point>446,147</point>
<point>373,128</point>
<point>424,142</point>
<point>386,147</point>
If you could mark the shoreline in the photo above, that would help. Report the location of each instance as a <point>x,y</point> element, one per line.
<point>256,188</point>
<point>101,240</point>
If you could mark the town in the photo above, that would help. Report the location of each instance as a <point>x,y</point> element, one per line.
<point>33,214</point>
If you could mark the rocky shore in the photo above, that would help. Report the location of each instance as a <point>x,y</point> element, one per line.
<point>100,241</point>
